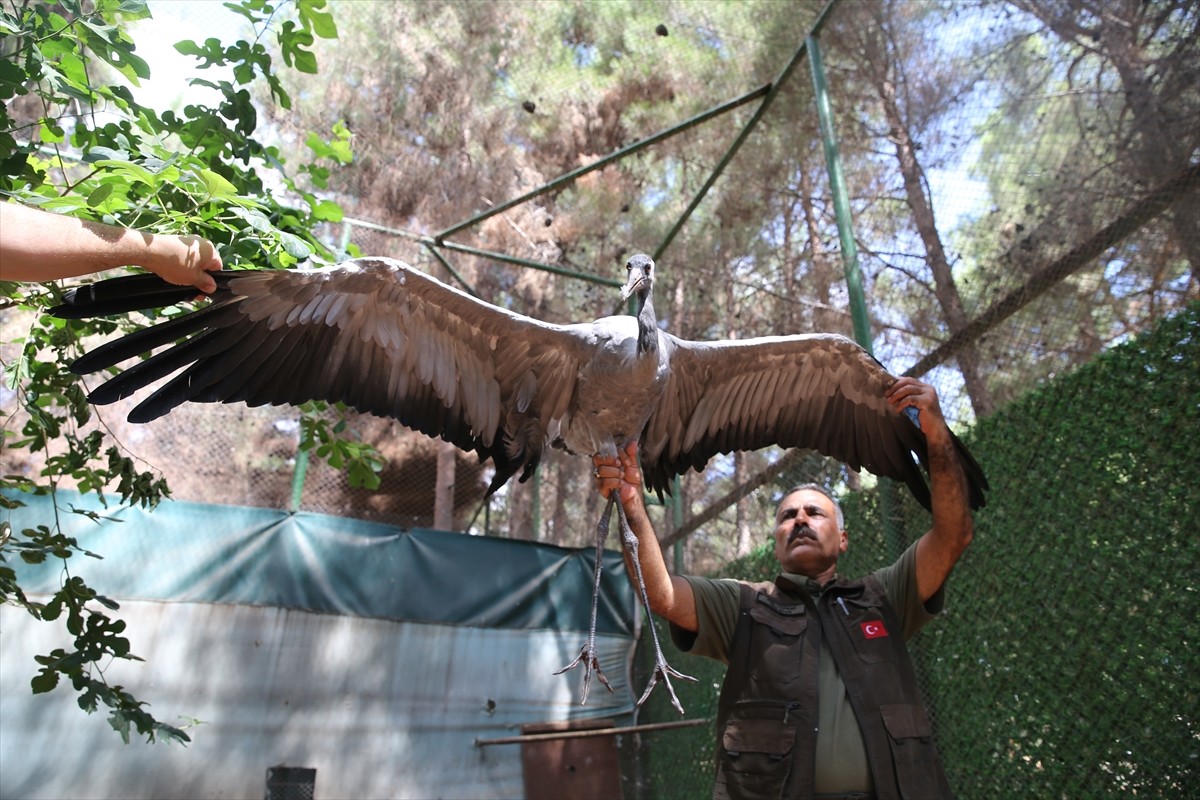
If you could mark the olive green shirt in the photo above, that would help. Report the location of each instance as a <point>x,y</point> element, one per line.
<point>841,763</point>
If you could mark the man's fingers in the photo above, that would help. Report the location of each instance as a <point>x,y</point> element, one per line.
<point>607,478</point>
<point>609,475</point>
<point>909,392</point>
<point>910,396</point>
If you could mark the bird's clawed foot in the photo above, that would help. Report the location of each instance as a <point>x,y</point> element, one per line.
<point>587,656</point>
<point>590,663</point>
<point>663,671</point>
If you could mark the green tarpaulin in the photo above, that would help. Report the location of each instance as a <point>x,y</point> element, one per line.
<point>374,656</point>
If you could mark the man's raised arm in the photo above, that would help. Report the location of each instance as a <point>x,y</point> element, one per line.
<point>953,527</point>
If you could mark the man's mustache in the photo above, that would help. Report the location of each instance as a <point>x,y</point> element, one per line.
<point>803,530</point>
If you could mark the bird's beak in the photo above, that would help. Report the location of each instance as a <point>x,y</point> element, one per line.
<point>636,279</point>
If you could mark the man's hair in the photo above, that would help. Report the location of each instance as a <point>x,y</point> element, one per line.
<point>816,487</point>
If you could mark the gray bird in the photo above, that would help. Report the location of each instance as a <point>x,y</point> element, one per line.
<point>385,338</point>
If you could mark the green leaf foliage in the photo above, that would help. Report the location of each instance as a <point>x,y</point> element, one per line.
<point>199,170</point>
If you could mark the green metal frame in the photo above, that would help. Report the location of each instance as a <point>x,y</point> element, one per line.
<point>573,175</point>
<point>841,198</point>
<point>893,524</point>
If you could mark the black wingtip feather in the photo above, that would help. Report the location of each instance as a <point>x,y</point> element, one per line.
<point>977,482</point>
<point>131,293</point>
<point>146,339</point>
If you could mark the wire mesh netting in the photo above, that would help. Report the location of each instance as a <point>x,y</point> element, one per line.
<point>1022,195</point>
<point>1064,664</point>
<point>982,145</point>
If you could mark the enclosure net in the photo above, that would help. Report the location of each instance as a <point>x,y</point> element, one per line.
<point>1022,184</point>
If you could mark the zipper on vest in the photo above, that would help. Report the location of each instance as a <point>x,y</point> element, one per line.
<point>842,603</point>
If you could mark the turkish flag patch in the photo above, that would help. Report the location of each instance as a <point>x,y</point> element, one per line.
<point>873,629</point>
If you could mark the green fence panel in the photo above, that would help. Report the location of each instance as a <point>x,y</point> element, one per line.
<point>1065,663</point>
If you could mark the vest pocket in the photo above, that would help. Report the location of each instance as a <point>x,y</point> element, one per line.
<point>776,638</point>
<point>910,735</point>
<point>756,751</point>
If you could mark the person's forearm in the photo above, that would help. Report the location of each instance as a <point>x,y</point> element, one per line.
<point>939,549</point>
<point>654,567</point>
<point>951,508</point>
<point>669,596</point>
<point>40,246</point>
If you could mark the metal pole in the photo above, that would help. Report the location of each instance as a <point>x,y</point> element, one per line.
<point>841,199</point>
<point>433,251</point>
<point>548,737</point>
<point>536,513</point>
<point>893,527</point>
<point>737,143</point>
<point>567,178</point>
<point>677,535</point>
<point>299,472</point>
<point>677,521</point>
<point>430,242</point>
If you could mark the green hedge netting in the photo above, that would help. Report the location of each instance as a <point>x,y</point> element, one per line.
<point>1064,664</point>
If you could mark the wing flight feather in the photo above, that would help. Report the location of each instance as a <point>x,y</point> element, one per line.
<point>387,339</point>
<point>373,333</point>
<point>816,391</point>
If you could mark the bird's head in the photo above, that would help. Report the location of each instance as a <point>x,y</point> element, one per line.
<point>640,278</point>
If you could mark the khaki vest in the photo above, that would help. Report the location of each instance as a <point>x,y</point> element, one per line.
<point>767,713</point>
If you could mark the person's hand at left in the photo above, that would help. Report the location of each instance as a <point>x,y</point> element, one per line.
<point>184,261</point>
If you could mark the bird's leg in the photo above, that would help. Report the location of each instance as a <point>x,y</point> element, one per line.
<point>662,670</point>
<point>587,656</point>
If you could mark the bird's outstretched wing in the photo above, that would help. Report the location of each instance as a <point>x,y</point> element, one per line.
<point>375,334</point>
<point>818,391</point>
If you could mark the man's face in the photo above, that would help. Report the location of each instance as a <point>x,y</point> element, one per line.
<point>807,539</point>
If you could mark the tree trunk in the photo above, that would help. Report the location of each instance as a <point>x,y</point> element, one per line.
<point>1160,155</point>
<point>944,287</point>
<point>443,492</point>
<point>879,62</point>
<point>520,510</point>
<point>742,525</point>
<point>821,271</point>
